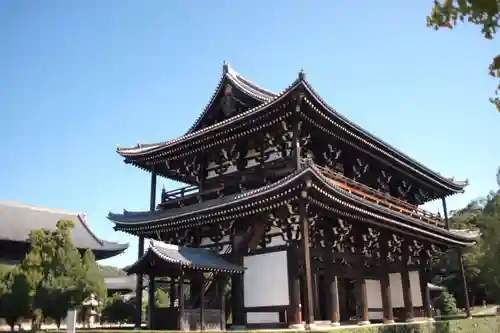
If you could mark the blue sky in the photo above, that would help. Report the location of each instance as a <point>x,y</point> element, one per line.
<point>79,77</point>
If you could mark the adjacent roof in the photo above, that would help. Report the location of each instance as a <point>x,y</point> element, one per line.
<point>199,259</point>
<point>120,283</point>
<point>318,105</point>
<point>322,193</point>
<point>18,219</point>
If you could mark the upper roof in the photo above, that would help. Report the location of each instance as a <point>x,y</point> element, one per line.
<point>141,152</point>
<point>198,259</point>
<point>226,207</point>
<point>18,219</point>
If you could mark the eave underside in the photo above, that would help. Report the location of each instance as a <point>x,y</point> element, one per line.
<point>321,194</point>
<point>317,112</point>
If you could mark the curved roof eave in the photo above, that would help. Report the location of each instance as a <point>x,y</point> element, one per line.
<point>405,160</point>
<point>143,150</point>
<point>142,218</point>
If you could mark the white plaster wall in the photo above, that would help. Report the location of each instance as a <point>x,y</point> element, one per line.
<point>266,279</point>
<point>263,317</point>
<point>376,315</point>
<point>396,290</point>
<point>416,294</point>
<point>373,294</point>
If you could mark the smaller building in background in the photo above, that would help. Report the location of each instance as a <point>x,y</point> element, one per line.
<point>18,219</point>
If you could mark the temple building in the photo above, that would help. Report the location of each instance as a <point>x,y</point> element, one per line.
<point>320,218</point>
<point>18,219</point>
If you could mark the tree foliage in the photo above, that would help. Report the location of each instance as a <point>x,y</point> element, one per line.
<point>118,310</point>
<point>483,13</point>
<point>481,262</point>
<point>52,278</point>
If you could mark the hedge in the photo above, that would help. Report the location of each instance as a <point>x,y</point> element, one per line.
<point>483,324</point>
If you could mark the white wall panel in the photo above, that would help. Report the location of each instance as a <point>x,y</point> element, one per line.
<point>416,294</point>
<point>262,317</point>
<point>266,279</point>
<point>373,294</point>
<point>396,290</point>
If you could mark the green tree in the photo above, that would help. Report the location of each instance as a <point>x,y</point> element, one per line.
<point>93,280</point>
<point>14,296</point>
<point>447,303</point>
<point>483,13</point>
<point>117,310</point>
<point>55,272</point>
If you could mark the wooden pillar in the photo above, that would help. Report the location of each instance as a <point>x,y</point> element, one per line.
<point>405,281</point>
<point>460,263</point>
<point>221,286</point>
<point>331,280</point>
<point>385,286</point>
<point>293,313</point>
<point>237,285</point>
<point>295,134</point>
<point>424,288</point>
<point>360,282</point>
<point>182,298</point>
<point>173,292</point>
<point>202,301</point>
<point>315,290</point>
<point>304,226</point>
<point>139,281</point>
<point>464,283</point>
<point>151,301</point>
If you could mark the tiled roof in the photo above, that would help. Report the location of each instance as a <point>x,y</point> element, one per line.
<point>18,219</point>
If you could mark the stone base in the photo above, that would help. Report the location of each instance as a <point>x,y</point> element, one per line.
<point>296,327</point>
<point>431,320</point>
<point>336,324</point>
<point>389,321</point>
<point>310,326</point>
<point>409,320</point>
<point>364,322</point>
<point>238,328</point>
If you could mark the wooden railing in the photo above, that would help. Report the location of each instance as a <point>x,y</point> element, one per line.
<point>179,193</point>
<point>380,198</point>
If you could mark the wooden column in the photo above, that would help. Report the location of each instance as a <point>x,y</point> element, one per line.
<point>405,281</point>
<point>151,301</point>
<point>331,280</point>
<point>173,292</point>
<point>315,290</point>
<point>202,301</point>
<point>360,282</point>
<point>221,291</point>
<point>385,286</point>
<point>460,263</point>
<point>424,288</point>
<point>304,227</point>
<point>182,298</point>
<point>237,284</point>
<point>139,281</point>
<point>293,313</point>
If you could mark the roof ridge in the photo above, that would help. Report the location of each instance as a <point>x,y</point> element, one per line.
<point>13,203</point>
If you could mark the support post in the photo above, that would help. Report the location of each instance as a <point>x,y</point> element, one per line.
<point>221,285</point>
<point>424,289</point>
<point>385,286</point>
<point>151,301</point>
<point>304,227</point>
<point>331,280</point>
<point>296,133</point>
<point>173,292</point>
<point>202,301</point>
<point>293,314</point>
<point>408,302</point>
<point>360,282</point>
<point>182,298</point>
<point>460,263</point>
<point>139,281</point>
<point>237,285</point>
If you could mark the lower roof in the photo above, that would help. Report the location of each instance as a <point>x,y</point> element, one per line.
<point>18,219</point>
<point>181,257</point>
<point>322,192</point>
